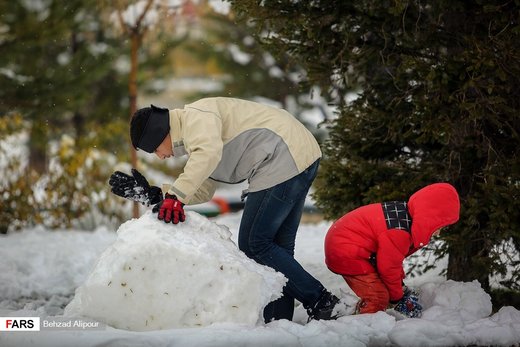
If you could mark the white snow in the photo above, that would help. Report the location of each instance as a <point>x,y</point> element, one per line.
<point>238,55</point>
<point>156,276</point>
<point>42,268</point>
<point>134,12</point>
<point>37,262</point>
<point>219,6</point>
<point>13,156</point>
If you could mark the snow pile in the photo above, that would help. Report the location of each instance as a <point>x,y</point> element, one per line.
<point>457,313</point>
<point>162,276</point>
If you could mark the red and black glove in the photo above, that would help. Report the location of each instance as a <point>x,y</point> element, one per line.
<point>409,304</point>
<point>170,210</point>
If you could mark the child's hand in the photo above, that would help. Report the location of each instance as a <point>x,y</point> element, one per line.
<point>409,304</point>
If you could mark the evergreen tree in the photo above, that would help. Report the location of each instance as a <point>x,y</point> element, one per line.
<point>438,102</point>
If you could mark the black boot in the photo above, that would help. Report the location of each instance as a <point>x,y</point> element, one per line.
<point>324,307</point>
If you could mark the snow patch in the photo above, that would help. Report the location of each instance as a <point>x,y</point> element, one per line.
<point>38,263</point>
<point>42,268</point>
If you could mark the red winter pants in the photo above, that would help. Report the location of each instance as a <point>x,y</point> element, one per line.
<point>372,291</point>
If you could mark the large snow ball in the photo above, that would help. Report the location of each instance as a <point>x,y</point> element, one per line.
<point>455,302</point>
<point>161,276</point>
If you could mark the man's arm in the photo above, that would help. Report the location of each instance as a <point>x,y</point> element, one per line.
<point>202,135</point>
<point>203,194</point>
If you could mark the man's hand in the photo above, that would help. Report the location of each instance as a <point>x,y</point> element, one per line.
<point>170,210</point>
<point>135,188</point>
<point>409,304</point>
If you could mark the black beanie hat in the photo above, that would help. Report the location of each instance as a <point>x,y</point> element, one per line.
<point>148,128</point>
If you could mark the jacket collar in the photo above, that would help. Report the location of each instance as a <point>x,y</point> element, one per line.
<point>175,133</point>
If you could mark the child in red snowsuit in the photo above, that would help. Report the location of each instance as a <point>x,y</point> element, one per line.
<point>367,246</point>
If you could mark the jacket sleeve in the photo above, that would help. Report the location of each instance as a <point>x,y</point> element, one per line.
<point>393,246</point>
<point>202,134</point>
<point>204,193</point>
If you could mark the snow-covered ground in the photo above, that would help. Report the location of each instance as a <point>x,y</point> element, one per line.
<point>41,270</point>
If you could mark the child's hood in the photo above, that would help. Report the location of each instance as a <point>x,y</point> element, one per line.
<point>433,207</point>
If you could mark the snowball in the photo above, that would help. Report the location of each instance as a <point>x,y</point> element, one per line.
<point>162,276</point>
<point>455,301</point>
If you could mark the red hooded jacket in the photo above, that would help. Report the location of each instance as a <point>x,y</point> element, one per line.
<point>367,230</point>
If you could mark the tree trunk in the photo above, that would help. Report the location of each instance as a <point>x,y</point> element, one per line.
<point>462,266</point>
<point>79,126</point>
<point>78,119</point>
<point>38,146</point>
<point>132,89</point>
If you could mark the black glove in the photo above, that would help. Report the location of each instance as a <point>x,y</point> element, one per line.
<point>135,188</point>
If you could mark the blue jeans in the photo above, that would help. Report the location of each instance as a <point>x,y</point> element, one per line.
<point>267,234</point>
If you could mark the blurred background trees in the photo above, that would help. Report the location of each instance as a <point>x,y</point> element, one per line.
<point>58,74</point>
<point>56,62</point>
<point>436,102</point>
<point>239,66</point>
<point>72,74</point>
<point>64,71</point>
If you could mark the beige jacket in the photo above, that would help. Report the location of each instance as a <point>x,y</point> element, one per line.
<point>232,140</point>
